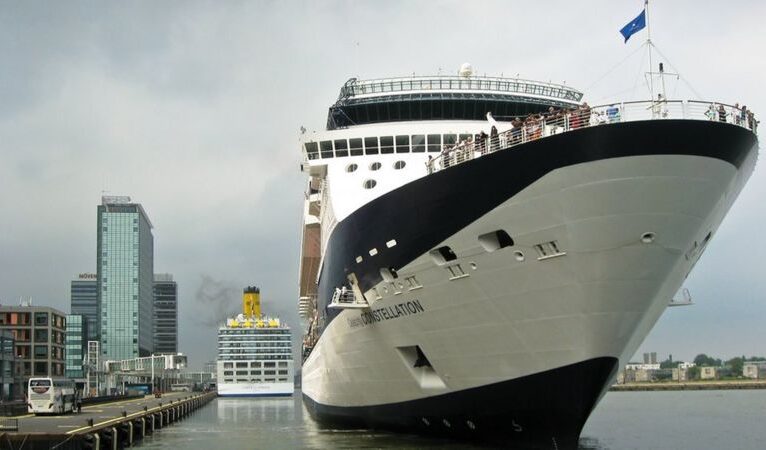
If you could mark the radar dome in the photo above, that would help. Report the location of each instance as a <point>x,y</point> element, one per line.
<point>466,70</point>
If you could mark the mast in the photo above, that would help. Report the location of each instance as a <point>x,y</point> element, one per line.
<point>649,48</point>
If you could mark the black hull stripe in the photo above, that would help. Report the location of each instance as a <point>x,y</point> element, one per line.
<point>531,410</point>
<point>426,211</point>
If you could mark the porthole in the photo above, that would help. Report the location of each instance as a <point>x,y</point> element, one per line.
<point>519,256</point>
<point>369,184</point>
<point>375,166</point>
<point>399,165</point>
<point>351,168</point>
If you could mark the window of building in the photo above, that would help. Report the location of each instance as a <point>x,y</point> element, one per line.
<point>282,372</point>
<point>41,318</point>
<point>41,335</point>
<point>269,372</point>
<point>41,368</point>
<point>242,372</point>
<point>241,364</point>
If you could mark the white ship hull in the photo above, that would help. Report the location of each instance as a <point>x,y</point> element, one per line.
<point>255,389</point>
<point>523,347</point>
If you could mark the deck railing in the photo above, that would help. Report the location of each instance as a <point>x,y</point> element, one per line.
<point>559,122</point>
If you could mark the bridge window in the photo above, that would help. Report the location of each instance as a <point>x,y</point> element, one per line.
<point>371,146</point>
<point>402,144</point>
<point>355,145</point>
<point>418,143</point>
<point>341,147</point>
<point>434,142</point>
<point>312,150</point>
<point>326,148</point>
<point>386,144</point>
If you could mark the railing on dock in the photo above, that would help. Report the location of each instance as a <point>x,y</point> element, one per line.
<point>562,121</point>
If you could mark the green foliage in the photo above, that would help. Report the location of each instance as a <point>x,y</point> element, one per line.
<point>735,365</point>
<point>669,364</point>
<point>705,360</point>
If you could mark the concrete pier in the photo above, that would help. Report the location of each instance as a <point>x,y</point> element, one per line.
<point>105,426</point>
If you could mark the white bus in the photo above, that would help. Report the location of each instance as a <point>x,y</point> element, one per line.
<point>180,387</point>
<point>51,396</point>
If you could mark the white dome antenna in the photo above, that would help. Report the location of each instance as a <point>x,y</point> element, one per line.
<point>466,70</point>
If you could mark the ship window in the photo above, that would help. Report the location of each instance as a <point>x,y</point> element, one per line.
<point>402,144</point>
<point>375,166</point>
<point>283,379</point>
<point>463,137</point>
<point>269,364</point>
<point>228,372</point>
<point>418,143</point>
<point>312,150</point>
<point>282,372</point>
<point>355,146</point>
<point>255,372</point>
<point>341,147</point>
<point>386,144</point>
<point>442,255</point>
<point>255,364</point>
<point>399,165</point>
<point>227,365</point>
<point>282,364</point>
<point>242,372</point>
<point>241,364</point>
<point>450,140</point>
<point>269,372</point>
<point>495,240</point>
<point>371,146</point>
<point>351,168</point>
<point>434,142</point>
<point>326,148</point>
<point>369,184</point>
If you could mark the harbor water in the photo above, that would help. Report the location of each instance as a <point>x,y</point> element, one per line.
<point>730,419</point>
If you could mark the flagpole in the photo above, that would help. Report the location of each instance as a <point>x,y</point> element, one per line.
<point>649,48</point>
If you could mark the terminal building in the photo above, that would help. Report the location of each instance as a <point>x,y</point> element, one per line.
<point>38,334</point>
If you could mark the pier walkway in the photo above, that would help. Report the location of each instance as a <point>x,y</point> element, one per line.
<point>106,425</point>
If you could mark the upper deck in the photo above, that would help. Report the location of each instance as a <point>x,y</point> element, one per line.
<point>445,97</point>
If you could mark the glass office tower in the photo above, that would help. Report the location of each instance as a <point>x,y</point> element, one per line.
<point>165,314</point>
<point>76,345</point>
<point>125,269</point>
<point>84,298</point>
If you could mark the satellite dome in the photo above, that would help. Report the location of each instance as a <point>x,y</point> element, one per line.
<point>466,70</point>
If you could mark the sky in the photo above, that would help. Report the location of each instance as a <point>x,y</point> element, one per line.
<point>194,108</point>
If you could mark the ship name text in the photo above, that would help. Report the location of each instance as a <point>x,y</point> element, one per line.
<point>387,313</point>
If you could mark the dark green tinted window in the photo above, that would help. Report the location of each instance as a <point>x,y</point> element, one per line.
<point>355,146</point>
<point>434,142</point>
<point>386,144</point>
<point>326,148</point>
<point>341,147</point>
<point>402,144</point>
<point>418,143</point>
<point>371,146</point>
<point>312,150</point>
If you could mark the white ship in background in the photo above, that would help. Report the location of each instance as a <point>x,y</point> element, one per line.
<point>478,276</point>
<point>254,353</point>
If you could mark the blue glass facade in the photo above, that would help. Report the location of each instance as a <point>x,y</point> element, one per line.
<point>125,270</point>
<point>76,345</point>
<point>84,302</point>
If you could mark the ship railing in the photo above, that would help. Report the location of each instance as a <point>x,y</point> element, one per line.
<point>344,298</point>
<point>557,122</point>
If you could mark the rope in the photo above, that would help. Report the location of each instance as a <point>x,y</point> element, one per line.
<point>694,91</point>
<point>613,68</point>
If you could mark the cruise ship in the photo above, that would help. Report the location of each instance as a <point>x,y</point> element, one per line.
<point>254,353</point>
<point>480,254</point>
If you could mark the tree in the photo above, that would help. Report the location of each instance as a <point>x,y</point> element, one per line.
<point>705,360</point>
<point>735,364</point>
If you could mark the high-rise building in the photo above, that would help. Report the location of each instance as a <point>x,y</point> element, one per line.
<point>165,314</point>
<point>84,302</point>
<point>76,345</point>
<point>9,380</point>
<point>38,332</point>
<point>125,269</point>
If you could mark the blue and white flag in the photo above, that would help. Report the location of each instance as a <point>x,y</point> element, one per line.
<point>635,25</point>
